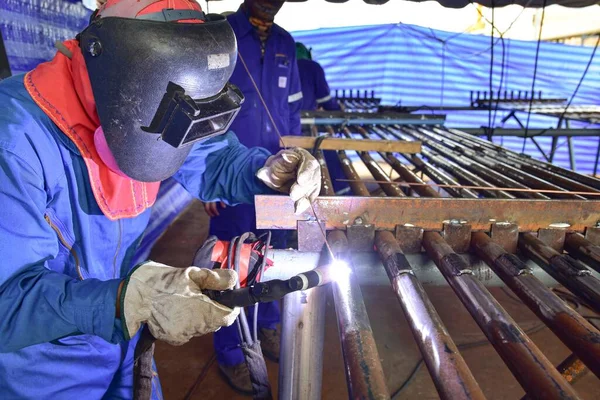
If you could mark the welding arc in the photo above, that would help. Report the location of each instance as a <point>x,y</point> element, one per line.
<point>408,184</point>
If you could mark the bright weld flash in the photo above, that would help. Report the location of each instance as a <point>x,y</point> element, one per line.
<point>339,271</point>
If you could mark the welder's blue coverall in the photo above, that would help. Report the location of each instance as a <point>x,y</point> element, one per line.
<point>63,260</point>
<point>276,75</point>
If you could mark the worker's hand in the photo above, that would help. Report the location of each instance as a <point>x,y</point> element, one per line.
<point>294,171</point>
<point>171,302</point>
<point>212,208</point>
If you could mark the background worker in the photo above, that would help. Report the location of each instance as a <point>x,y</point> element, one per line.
<point>266,72</point>
<point>85,140</point>
<point>316,95</point>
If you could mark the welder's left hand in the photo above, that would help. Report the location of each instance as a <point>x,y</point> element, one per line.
<point>294,171</point>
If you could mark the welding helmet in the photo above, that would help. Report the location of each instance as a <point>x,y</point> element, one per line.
<point>159,72</point>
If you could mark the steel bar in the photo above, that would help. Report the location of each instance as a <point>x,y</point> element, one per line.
<point>364,374</point>
<point>303,331</point>
<point>570,327</point>
<point>455,168</point>
<point>408,176</point>
<point>355,182</point>
<point>505,174</point>
<point>584,250</point>
<point>571,273</point>
<point>379,174</point>
<point>436,175</point>
<point>585,179</point>
<point>302,338</point>
<point>448,370</point>
<point>326,185</point>
<point>277,212</point>
<point>571,368</point>
<point>533,132</point>
<point>334,143</point>
<point>571,154</point>
<point>597,158</point>
<point>530,367</point>
<point>450,373</point>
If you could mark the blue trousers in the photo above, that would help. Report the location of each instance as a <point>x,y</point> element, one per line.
<point>74,367</point>
<point>233,221</point>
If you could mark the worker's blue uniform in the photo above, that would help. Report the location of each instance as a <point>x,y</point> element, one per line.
<point>315,94</point>
<point>315,90</point>
<point>276,76</point>
<point>63,260</point>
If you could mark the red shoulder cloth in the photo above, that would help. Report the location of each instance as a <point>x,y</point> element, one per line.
<point>62,89</point>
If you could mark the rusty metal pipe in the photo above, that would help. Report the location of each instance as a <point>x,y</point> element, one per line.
<point>571,273</point>
<point>462,174</point>
<point>583,249</point>
<point>504,153</point>
<point>326,185</point>
<point>436,175</point>
<point>571,368</point>
<point>492,169</point>
<point>408,176</point>
<point>571,328</point>
<point>442,178</point>
<point>527,363</point>
<point>448,370</point>
<point>364,373</point>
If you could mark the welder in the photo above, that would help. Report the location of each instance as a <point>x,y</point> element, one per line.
<point>316,95</point>
<point>267,74</point>
<point>315,89</point>
<point>142,94</point>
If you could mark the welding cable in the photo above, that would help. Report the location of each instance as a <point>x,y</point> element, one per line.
<point>258,278</point>
<point>230,266</point>
<point>236,264</point>
<point>463,346</point>
<point>535,68</point>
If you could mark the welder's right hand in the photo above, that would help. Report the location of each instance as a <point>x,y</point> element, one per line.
<point>171,302</point>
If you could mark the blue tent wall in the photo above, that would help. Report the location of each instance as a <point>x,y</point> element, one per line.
<point>419,66</point>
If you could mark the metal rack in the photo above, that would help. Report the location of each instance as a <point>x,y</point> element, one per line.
<point>513,215</point>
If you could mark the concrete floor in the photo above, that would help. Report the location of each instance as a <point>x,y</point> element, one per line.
<point>180,367</point>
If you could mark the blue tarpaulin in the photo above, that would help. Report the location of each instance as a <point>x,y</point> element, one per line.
<point>416,66</point>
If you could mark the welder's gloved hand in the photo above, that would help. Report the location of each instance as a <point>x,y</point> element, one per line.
<point>170,301</point>
<point>294,171</point>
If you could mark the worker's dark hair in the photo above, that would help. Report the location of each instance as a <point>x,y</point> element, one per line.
<point>303,52</point>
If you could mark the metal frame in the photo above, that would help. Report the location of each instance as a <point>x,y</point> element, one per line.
<point>445,226</point>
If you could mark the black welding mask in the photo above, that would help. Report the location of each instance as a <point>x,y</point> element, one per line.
<point>160,85</point>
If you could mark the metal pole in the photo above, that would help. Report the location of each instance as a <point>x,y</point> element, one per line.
<point>364,374</point>
<point>571,368</point>
<point>570,327</point>
<point>583,249</point>
<point>303,331</point>
<point>448,370</point>
<point>530,367</point>
<point>571,273</point>
<point>597,158</point>
<point>571,153</point>
<point>301,354</point>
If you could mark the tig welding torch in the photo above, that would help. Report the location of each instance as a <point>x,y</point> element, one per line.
<point>264,292</point>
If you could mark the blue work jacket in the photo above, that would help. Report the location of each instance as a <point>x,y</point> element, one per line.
<point>63,260</point>
<point>315,90</point>
<point>275,75</point>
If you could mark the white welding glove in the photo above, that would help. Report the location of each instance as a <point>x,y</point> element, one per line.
<point>170,301</point>
<point>294,171</point>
